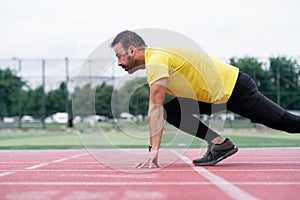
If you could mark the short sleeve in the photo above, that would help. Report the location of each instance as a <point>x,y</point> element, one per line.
<point>157,68</point>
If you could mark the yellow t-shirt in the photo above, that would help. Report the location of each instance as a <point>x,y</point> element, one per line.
<point>191,74</point>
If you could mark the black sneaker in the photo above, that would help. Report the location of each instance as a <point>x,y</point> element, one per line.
<point>216,153</point>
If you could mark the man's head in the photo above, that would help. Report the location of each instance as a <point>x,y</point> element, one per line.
<point>127,46</point>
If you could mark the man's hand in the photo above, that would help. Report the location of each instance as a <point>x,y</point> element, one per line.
<point>152,159</point>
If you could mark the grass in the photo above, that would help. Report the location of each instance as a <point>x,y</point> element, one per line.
<point>63,140</point>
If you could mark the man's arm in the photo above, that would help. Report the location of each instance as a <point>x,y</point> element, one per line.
<point>155,121</point>
<point>156,112</point>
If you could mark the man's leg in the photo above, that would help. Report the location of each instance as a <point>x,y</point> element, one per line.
<point>289,123</point>
<point>248,102</point>
<point>179,113</point>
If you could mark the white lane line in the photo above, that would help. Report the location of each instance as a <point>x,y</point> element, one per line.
<point>125,183</point>
<point>227,187</point>
<point>7,173</point>
<point>37,166</point>
<point>68,158</point>
<point>118,176</point>
<point>54,161</point>
<point>162,170</point>
<point>259,162</point>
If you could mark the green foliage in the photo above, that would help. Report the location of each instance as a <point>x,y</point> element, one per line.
<point>255,69</point>
<point>285,73</point>
<point>83,101</point>
<point>10,85</point>
<point>33,106</point>
<point>279,81</point>
<point>138,104</point>
<point>103,100</point>
<point>132,97</point>
<point>139,99</point>
<point>56,100</point>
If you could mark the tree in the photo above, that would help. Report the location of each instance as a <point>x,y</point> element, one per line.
<point>83,101</point>
<point>132,97</point>
<point>137,93</point>
<point>56,100</point>
<point>285,73</point>
<point>255,69</point>
<point>279,82</point>
<point>10,86</point>
<point>138,104</point>
<point>33,106</point>
<point>103,100</point>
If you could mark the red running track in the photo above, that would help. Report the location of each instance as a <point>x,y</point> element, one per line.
<point>107,174</point>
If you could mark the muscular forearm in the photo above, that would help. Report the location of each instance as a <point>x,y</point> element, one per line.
<point>156,111</point>
<point>156,122</point>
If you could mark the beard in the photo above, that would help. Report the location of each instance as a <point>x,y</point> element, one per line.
<point>132,65</point>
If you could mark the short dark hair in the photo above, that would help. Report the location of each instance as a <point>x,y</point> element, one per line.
<point>129,38</point>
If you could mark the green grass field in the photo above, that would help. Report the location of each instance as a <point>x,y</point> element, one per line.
<point>62,140</point>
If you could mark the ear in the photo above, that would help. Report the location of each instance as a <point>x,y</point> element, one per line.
<point>131,50</point>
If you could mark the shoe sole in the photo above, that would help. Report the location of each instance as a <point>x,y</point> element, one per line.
<point>211,163</point>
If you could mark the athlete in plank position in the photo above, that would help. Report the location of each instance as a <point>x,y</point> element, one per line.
<point>201,84</point>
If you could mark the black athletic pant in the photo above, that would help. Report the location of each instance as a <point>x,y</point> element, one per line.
<point>245,100</point>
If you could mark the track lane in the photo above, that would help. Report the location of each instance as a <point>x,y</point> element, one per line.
<point>85,176</point>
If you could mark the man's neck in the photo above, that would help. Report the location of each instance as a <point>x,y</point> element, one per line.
<point>141,56</point>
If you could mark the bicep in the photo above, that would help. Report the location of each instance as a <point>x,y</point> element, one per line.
<point>158,91</point>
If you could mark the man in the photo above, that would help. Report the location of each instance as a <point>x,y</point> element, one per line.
<point>201,84</point>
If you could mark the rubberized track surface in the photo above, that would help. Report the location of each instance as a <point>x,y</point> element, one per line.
<point>65,174</point>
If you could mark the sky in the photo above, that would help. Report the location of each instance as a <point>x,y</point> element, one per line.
<point>74,28</point>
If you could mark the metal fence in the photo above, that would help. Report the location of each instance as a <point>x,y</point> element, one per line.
<point>50,73</point>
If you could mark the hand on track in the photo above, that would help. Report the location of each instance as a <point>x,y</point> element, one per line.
<point>152,160</point>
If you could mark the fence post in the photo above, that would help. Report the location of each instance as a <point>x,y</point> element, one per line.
<point>278,84</point>
<point>66,89</point>
<point>20,95</point>
<point>44,96</point>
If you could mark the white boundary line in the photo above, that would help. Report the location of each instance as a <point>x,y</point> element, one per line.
<point>228,188</point>
<point>162,170</point>
<point>129,149</point>
<point>223,184</point>
<point>7,173</point>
